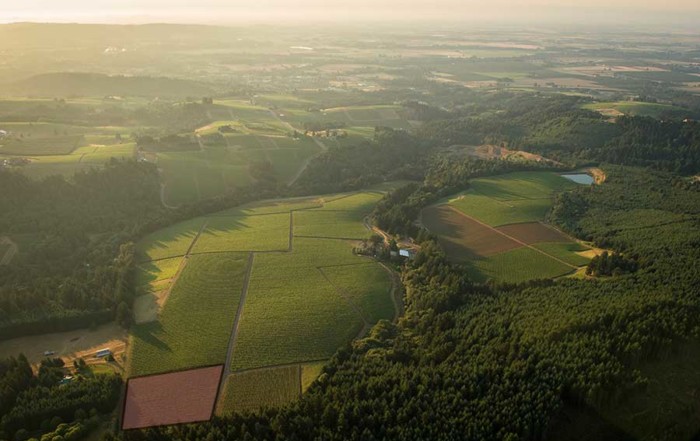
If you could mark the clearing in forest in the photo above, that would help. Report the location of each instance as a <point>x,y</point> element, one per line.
<point>495,228</point>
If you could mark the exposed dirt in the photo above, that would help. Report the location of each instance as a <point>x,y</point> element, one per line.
<point>174,398</point>
<point>533,232</point>
<point>490,151</point>
<point>463,238</point>
<point>70,345</point>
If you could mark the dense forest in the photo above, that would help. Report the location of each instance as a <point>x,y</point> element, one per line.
<point>40,402</point>
<point>75,269</point>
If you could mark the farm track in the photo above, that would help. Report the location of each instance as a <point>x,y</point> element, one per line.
<point>396,291</point>
<point>277,366</point>
<point>307,161</point>
<point>10,253</point>
<point>236,323</point>
<point>518,241</point>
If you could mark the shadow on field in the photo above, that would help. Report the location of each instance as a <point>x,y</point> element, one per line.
<point>148,332</point>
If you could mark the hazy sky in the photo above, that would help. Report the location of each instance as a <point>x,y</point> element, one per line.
<point>635,12</point>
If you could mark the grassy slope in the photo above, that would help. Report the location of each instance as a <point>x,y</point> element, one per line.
<point>249,391</point>
<point>367,286</point>
<point>169,242</point>
<point>195,325</point>
<point>291,307</point>
<point>516,266</point>
<point>250,233</point>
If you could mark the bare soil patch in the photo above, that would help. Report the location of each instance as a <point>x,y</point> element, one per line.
<point>490,151</point>
<point>11,250</point>
<point>463,238</point>
<point>173,398</point>
<point>147,306</point>
<point>533,232</point>
<point>69,346</point>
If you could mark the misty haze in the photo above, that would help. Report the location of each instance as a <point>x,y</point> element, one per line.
<point>331,221</point>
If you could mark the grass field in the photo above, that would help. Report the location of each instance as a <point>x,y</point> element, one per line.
<point>291,308</point>
<point>491,227</point>
<point>309,373</point>
<point>50,145</point>
<point>632,108</point>
<point>169,242</point>
<point>366,285</point>
<point>151,275</point>
<point>268,232</point>
<point>333,224</point>
<point>516,266</point>
<point>194,327</point>
<point>252,390</point>
<point>301,305</point>
<point>565,251</point>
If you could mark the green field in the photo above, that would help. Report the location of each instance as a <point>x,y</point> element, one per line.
<point>366,285</point>
<point>516,266</point>
<point>510,198</point>
<point>269,232</point>
<point>632,108</point>
<point>251,390</point>
<point>50,145</point>
<point>151,276</point>
<point>309,373</point>
<point>303,302</point>
<point>565,251</point>
<point>291,308</point>
<point>169,242</point>
<point>513,198</point>
<point>194,327</point>
<point>332,224</point>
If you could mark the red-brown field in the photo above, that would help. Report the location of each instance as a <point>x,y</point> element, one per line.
<point>174,398</point>
<point>533,232</point>
<point>463,238</point>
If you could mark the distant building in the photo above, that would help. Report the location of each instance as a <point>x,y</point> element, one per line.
<point>409,254</point>
<point>102,353</point>
<point>3,133</point>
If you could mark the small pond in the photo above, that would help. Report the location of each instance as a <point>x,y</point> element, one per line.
<point>580,178</point>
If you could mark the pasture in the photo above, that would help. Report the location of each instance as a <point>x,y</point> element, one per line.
<point>252,390</point>
<point>305,296</point>
<point>195,324</point>
<point>169,242</point>
<point>291,308</point>
<point>495,228</point>
<point>632,108</point>
<point>266,232</point>
<point>518,265</point>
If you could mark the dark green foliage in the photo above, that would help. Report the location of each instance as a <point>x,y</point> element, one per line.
<point>610,264</point>
<point>61,402</point>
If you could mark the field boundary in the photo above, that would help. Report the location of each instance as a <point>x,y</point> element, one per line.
<point>276,366</point>
<point>237,319</point>
<point>11,251</point>
<point>513,238</point>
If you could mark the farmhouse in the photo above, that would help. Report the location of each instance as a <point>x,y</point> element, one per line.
<point>102,353</point>
<point>407,253</point>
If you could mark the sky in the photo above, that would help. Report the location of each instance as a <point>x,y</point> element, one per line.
<point>639,13</point>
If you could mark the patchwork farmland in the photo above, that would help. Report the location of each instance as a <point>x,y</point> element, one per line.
<point>268,290</point>
<point>496,228</point>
